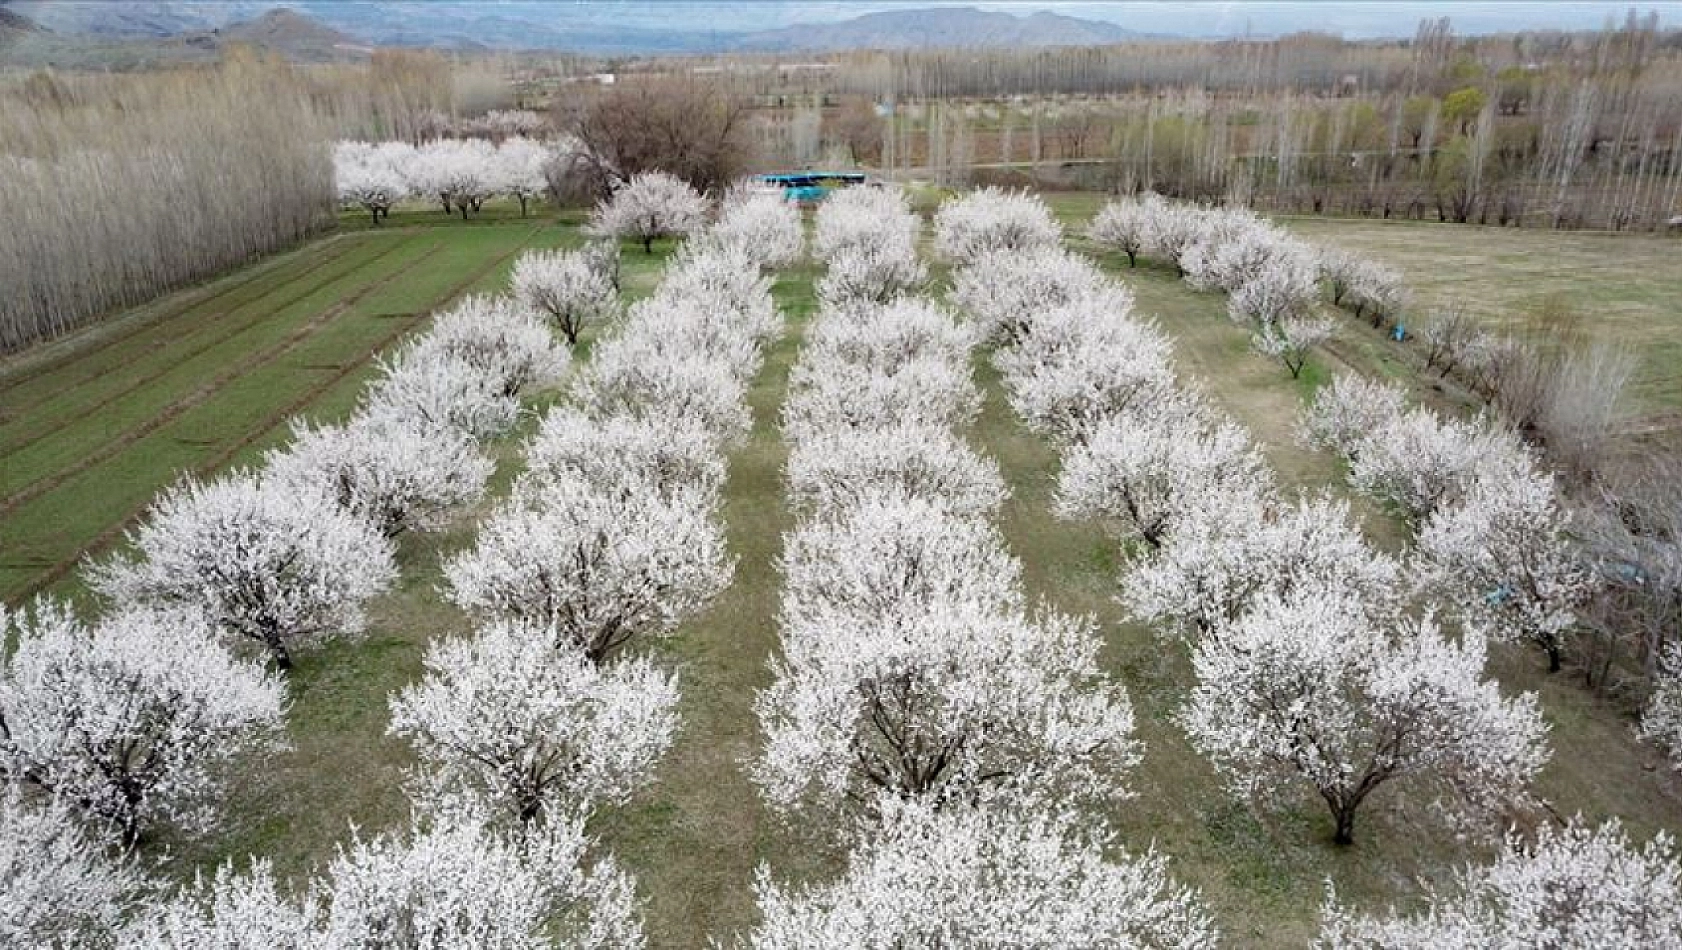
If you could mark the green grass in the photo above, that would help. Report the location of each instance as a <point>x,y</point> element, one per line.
<point>694,838</point>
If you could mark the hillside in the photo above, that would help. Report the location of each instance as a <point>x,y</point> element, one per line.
<point>940,26</point>
<point>298,38</point>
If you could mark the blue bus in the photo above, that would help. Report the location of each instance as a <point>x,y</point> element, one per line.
<point>808,187</point>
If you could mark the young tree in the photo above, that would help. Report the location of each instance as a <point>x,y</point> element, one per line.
<point>650,205</point>
<point>59,887</point>
<point>991,220</point>
<point>1227,551</point>
<point>1348,411</point>
<point>600,570</point>
<point>946,702</point>
<point>449,883</point>
<point>1124,225</point>
<point>569,286</point>
<point>131,720</point>
<point>279,565</point>
<point>828,395</point>
<point>398,477</point>
<point>886,337</point>
<point>629,375</point>
<point>832,471</point>
<point>524,728</point>
<point>983,878</point>
<point>1577,887</point>
<point>1291,340</point>
<point>1503,553</point>
<point>886,556</point>
<point>230,911</point>
<point>871,273</point>
<point>1066,387</point>
<point>1315,687</point>
<point>428,389</point>
<point>1006,291</point>
<point>1421,463</point>
<point>863,217</point>
<point>762,225</point>
<point>517,170</point>
<point>505,342</point>
<point>721,284</point>
<point>1661,718</point>
<point>374,188</point>
<point>1143,476</point>
<point>625,455</point>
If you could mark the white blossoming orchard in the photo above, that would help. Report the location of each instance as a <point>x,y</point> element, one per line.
<point>130,720</point>
<point>829,472</point>
<point>427,388</point>
<point>1420,462</point>
<point>889,555</point>
<point>504,341</point>
<point>1314,688</point>
<point>722,285</point>
<point>1661,718</point>
<point>1504,555</point>
<point>1350,409</point>
<point>1228,550</point>
<point>517,170</point>
<point>670,329</point>
<point>59,886</point>
<point>524,728</point>
<point>448,883</point>
<point>1142,476</point>
<point>871,273</point>
<point>983,878</point>
<point>990,220</point>
<point>631,376</point>
<point>1003,292</point>
<point>398,477</point>
<point>1063,388</point>
<point>763,225</point>
<point>625,455</point>
<point>229,911</point>
<point>1291,340</point>
<point>863,217</point>
<point>650,206</point>
<point>599,569</point>
<point>949,703</point>
<point>280,565</point>
<point>885,337</point>
<point>1580,886</point>
<point>571,288</point>
<point>829,395</point>
<point>1125,225</point>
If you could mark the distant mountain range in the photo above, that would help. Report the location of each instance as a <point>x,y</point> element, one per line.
<point>318,30</point>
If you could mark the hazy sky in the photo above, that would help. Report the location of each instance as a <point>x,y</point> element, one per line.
<point>1207,18</point>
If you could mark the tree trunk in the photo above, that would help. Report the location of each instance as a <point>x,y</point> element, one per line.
<point>1345,833</point>
<point>277,648</point>
<point>1553,657</point>
<point>648,244</point>
<point>1132,259</point>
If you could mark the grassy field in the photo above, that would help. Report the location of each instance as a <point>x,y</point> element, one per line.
<point>95,424</point>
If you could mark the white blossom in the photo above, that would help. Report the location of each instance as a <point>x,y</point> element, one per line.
<point>398,477</point>
<point>1314,688</point>
<point>1503,555</point>
<point>1420,462</point>
<point>1580,887</point>
<point>1291,340</point>
<point>723,285</point>
<point>983,878</point>
<point>625,454</point>
<point>132,719</point>
<point>887,336</point>
<point>1228,550</point>
<point>599,569</point>
<point>505,342</point>
<point>630,376</point>
<point>1125,225</point>
<point>1350,409</point>
<point>649,206</point>
<point>874,273</point>
<point>830,471</point>
<point>1003,292</point>
<point>950,703</point>
<point>1063,385</point>
<point>230,911</point>
<point>763,225</point>
<point>428,388</point>
<point>1142,476</point>
<point>1661,718</point>
<point>828,395</point>
<point>528,728</point>
<point>281,565</point>
<point>59,886</point>
<point>568,286</point>
<point>861,217</point>
<point>990,220</point>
